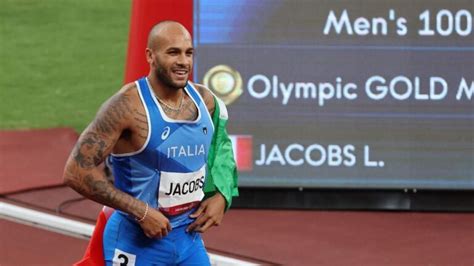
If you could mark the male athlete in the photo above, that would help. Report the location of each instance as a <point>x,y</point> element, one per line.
<point>168,151</point>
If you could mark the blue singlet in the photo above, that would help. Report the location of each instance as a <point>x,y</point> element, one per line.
<point>168,173</point>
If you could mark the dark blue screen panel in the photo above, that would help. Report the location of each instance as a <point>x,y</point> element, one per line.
<point>343,94</point>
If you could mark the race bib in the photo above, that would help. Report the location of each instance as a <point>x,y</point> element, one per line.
<point>180,192</point>
<point>122,258</point>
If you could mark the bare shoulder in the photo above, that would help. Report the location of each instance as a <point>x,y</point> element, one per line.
<point>114,113</point>
<point>99,138</point>
<point>129,90</point>
<point>207,96</point>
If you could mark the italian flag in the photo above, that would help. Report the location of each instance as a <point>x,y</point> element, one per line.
<point>242,147</point>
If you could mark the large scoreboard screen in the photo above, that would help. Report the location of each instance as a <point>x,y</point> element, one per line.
<point>343,94</point>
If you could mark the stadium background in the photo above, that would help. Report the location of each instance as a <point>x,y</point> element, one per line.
<point>62,59</point>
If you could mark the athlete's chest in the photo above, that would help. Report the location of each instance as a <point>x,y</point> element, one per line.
<point>183,132</point>
<point>177,141</point>
<point>179,145</point>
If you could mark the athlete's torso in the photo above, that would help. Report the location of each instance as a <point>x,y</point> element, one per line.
<point>168,170</point>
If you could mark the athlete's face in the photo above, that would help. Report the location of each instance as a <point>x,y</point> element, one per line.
<point>171,59</point>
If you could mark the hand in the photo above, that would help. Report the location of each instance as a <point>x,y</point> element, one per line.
<point>155,224</point>
<point>208,214</point>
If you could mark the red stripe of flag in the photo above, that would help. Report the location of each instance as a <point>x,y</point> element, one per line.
<point>242,146</point>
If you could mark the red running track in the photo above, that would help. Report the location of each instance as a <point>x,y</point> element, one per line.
<point>314,237</point>
<point>25,245</point>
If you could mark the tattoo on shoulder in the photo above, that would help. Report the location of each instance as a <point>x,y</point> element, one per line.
<point>103,191</point>
<point>100,187</point>
<point>92,146</point>
<point>141,121</point>
<point>114,111</point>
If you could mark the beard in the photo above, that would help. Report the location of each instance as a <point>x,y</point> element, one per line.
<point>166,79</point>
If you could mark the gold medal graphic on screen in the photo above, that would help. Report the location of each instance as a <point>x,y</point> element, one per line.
<point>225,82</point>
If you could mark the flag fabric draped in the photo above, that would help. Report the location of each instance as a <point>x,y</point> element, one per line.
<point>222,170</point>
<point>94,255</point>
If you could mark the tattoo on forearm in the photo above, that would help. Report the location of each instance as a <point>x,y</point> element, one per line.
<point>104,192</point>
<point>100,189</point>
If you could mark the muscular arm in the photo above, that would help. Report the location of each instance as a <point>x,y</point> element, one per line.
<point>83,172</point>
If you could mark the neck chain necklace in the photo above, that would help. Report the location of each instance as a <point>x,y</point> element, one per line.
<point>174,109</point>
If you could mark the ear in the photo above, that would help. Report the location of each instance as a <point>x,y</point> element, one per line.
<point>149,55</point>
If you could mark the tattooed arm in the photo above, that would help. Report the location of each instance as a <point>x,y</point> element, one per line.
<point>83,172</point>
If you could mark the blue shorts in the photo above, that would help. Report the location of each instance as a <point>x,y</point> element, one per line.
<point>126,244</point>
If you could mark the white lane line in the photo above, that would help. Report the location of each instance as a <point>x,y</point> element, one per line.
<point>78,229</point>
